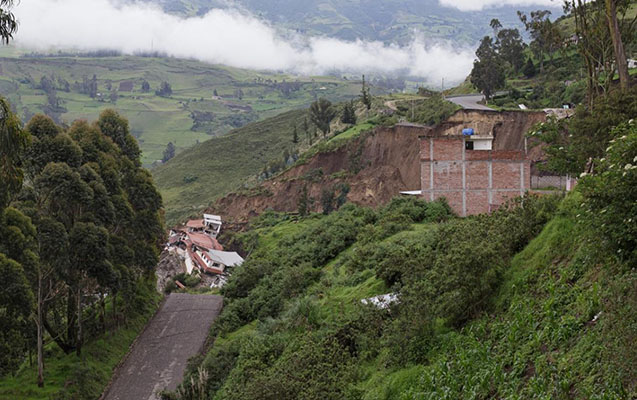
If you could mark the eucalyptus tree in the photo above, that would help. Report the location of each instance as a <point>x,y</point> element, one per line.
<point>116,127</point>
<point>322,113</point>
<point>366,96</point>
<point>17,255</point>
<point>53,248</point>
<point>611,7</point>
<point>89,259</point>
<point>16,299</point>
<point>600,27</point>
<point>510,47</point>
<point>8,23</point>
<point>13,142</point>
<point>545,34</point>
<point>488,73</point>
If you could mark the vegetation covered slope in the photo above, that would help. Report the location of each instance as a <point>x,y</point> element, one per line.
<point>205,100</point>
<point>530,302</point>
<point>194,178</point>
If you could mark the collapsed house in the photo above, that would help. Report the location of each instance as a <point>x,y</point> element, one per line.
<point>216,261</point>
<point>209,225</point>
<point>197,246</point>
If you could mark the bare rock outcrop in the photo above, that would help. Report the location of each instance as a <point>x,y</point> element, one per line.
<point>170,265</point>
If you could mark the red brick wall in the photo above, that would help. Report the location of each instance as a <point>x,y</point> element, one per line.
<point>472,181</point>
<point>447,175</point>
<point>425,175</point>
<point>425,145</point>
<point>506,175</point>
<point>453,198</point>
<point>477,175</point>
<point>477,202</point>
<point>500,198</point>
<point>447,149</point>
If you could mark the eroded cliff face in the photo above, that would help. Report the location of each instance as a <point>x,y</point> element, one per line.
<point>507,127</point>
<point>376,166</point>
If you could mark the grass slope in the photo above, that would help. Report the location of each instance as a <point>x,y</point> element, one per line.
<point>189,116</point>
<point>541,340</point>
<point>211,169</point>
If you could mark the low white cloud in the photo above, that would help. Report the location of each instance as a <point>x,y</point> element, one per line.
<point>227,36</point>
<point>476,5</point>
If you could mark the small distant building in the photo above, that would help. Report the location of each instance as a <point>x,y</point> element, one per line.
<point>213,223</point>
<point>204,241</point>
<point>126,86</point>
<point>210,225</point>
<point>216,262</point>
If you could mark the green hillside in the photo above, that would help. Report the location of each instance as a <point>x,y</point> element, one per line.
<point>188,116</point>
<point>532,302</point>
<point>194,178</point>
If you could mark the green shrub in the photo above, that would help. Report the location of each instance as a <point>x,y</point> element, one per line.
<point>610,195</point>
<point>302,285</point>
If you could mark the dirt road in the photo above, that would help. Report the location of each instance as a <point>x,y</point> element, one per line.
<point>158,359</point>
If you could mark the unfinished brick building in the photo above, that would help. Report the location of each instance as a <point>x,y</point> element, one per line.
<point>477,160</point>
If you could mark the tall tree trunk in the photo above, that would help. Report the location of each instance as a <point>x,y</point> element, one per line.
<point>114,312</point>
<point>40,343</point>
<point>78,348</point>
<point>618,46</point>
<point>71,315</point>
<point>65,346</point>
<point>103,316</point>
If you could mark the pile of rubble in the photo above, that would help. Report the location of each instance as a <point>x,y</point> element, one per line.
<point>196,247</point>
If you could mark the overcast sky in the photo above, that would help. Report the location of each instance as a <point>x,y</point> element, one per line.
<point>232,38</point>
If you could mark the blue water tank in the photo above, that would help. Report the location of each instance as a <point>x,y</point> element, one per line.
<point>467,132</point>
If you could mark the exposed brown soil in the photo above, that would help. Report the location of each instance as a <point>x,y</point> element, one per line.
<point>376,166</point>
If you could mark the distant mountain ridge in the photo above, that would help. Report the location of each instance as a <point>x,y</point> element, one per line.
<point>385,20</point>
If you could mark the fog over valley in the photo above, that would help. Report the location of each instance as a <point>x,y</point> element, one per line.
<point>235,37</point>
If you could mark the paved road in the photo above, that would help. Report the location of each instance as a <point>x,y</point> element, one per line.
<point>158,359</point>
<point>469,102</point>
